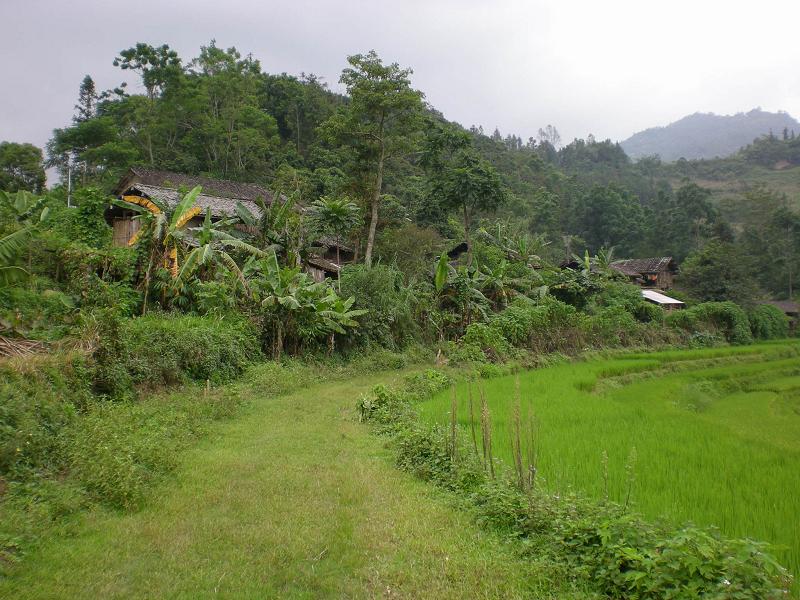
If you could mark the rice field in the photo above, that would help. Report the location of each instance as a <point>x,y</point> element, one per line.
<point>704,436</point>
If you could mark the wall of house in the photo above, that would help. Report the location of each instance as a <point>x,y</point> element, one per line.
<point>123,229</point>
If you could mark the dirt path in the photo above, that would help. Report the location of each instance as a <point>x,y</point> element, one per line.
<point>292,499</point>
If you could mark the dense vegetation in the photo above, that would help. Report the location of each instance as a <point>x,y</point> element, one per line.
<point>99,326</point>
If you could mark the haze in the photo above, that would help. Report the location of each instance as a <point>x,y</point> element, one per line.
<point>607,68</point>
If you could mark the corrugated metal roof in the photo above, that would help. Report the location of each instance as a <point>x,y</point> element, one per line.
<point>659,298</point>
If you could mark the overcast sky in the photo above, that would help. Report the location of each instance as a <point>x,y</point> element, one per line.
<point>610,67</point>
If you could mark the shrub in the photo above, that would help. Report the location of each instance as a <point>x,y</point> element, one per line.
<point>390,321</point>
<point>724,317</point>
<point>768,322</point>
<point>166,350</point>
<point>39,397</point>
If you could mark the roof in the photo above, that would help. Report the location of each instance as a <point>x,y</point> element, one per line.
<point>321,263</point>
<point>220,207</point>
<point>787,306</point>
<point>636,266</point>
<point>219,188</point>
<point>661,299</point>
<point>329,242</point>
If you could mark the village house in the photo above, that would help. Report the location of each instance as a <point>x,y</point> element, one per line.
<point>218,196</point>
<point>654,273</point>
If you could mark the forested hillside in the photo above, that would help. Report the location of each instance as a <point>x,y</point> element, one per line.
<point>706,135</point>
<point>220,114</point>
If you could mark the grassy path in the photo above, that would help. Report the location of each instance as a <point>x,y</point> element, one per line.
<point>292,499</point>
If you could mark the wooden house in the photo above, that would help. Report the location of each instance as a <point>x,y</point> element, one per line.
<point>328,257</point>
<point>657,273</point>
<point>789,308</point>
<point>218,195</point>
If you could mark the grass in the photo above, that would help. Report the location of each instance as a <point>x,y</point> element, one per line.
<point>293,498</point>
<point>716,434</point>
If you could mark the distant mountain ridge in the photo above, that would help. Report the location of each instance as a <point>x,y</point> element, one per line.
<point>707,135</point>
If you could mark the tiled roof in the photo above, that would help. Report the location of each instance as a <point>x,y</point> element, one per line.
<point>220,207</point>
<point>636,266</point>
<point>219,188</point>
<point>321,263</point>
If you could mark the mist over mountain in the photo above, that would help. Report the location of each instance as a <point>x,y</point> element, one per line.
<point>706,135</point>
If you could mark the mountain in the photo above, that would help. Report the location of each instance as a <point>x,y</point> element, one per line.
<point>706,135</point>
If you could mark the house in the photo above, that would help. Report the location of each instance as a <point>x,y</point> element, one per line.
<point>328,257</point>
<point>662,300</point>
<point>218,196</point>
<point>658,273</point>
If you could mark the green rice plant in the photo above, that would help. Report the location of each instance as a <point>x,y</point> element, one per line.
<point>716,433</point>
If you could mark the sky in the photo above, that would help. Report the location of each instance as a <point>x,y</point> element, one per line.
<point>606,67</point>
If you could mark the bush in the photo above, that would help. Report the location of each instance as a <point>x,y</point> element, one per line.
<point>712,317</point>
<point>390,321</point>
<point>39,397</point>
<point>768,322</point>
<point>167,350</point>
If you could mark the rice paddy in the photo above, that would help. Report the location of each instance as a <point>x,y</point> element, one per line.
<point>704,436</point>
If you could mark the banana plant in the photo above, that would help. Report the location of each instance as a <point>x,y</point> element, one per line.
<point>14,244</point>
<point>212,244</point>
<point>162,228</point>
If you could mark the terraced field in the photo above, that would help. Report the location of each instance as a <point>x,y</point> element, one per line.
<point>710,436</point>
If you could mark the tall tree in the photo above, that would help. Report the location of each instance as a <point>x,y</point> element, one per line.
<point>21,168</point>
<point>382,120</point>
<point>87,100</point>
<point>459,179</point>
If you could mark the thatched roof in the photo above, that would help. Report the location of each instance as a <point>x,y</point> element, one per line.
<point>218,188</point>
<point>637,266</point>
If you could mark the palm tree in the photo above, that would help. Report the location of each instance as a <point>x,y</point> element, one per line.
<point>336,217</point>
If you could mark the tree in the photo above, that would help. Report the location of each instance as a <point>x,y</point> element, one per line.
<point>718,272</point>
<point>458,178</point>
<point>336,217</point>
<point>550,135</point>
<point>382,121</point>
<point>163,230</point>
<point>87,100</point>
<point>21,168</point>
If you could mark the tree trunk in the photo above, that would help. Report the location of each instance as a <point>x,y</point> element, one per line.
<point>376,198</point>
<point>339,265</point>
<point>467,224</point>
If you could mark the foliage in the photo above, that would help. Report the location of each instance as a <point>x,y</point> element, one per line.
<point>21,168</point>
<point>717,273</point>
<point>391,321</point>
<point>295,310</point>
<point>768,322</point>
<point>724,317</point>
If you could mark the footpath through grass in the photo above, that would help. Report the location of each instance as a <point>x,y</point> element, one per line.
<point>716,434</point>
<point>294,499</point>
